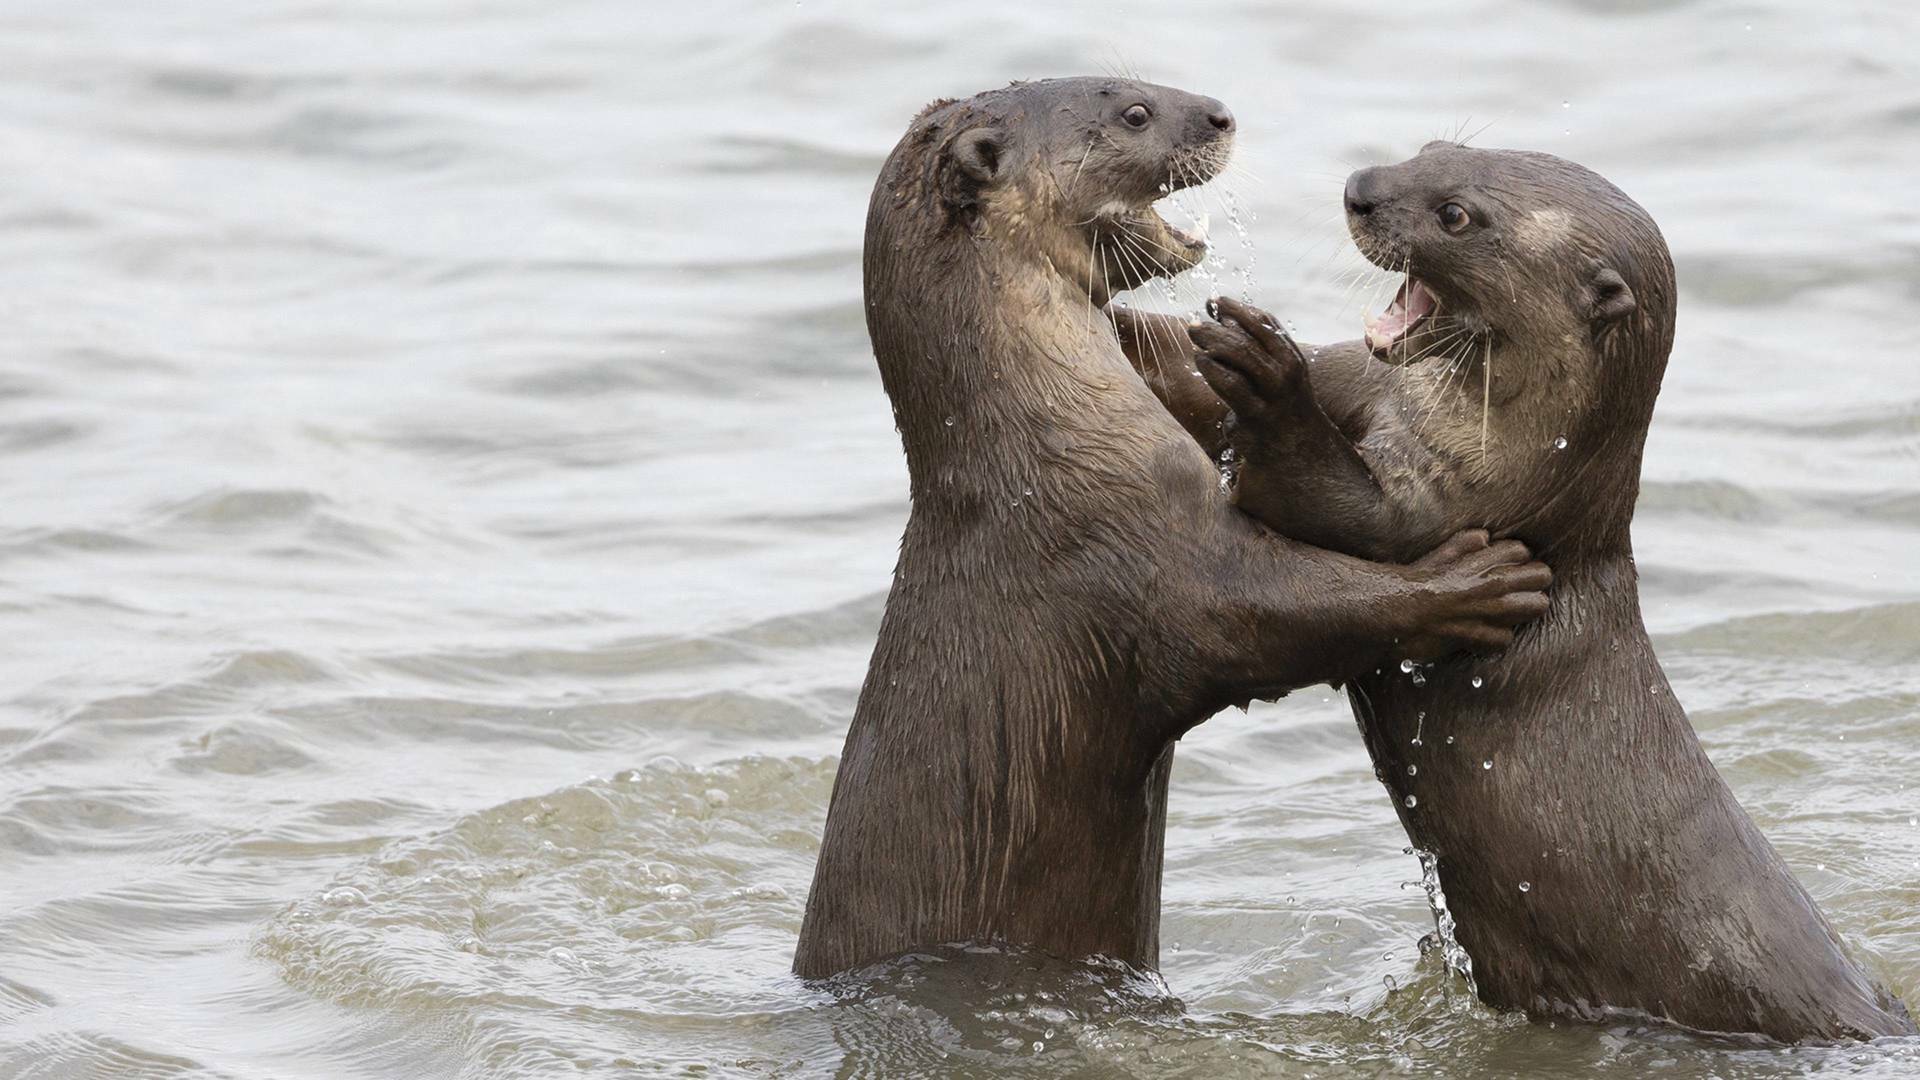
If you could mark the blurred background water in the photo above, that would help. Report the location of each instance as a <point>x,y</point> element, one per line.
<point>449,501</point>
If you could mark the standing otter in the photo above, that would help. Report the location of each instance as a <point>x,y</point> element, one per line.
<point>1074,591</point>
<point>1594,861</point>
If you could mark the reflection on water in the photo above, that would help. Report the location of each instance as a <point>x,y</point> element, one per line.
<point>450,502</point>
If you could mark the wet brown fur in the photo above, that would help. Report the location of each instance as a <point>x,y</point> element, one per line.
<point>1073,591</point>
<point>1647,889</point>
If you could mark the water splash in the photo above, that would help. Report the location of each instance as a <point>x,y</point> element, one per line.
<point>1222,270</point>
<point>1229,467</point>
<point>1452,955</point>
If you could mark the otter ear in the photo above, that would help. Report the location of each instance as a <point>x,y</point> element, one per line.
<point>1608,298</point>
<point>976,152</point>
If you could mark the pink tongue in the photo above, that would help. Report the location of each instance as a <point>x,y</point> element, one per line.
<point>1412,304</point>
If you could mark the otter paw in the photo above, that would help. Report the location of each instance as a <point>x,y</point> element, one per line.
<point>1249,361</point>
<point>1483,591</point>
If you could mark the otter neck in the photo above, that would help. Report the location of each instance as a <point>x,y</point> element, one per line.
<point>1539,435</point>
<point>991,361</point>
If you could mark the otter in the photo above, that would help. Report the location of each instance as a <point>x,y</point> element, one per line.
<point>1595,863</point>
<point>1074,591</point>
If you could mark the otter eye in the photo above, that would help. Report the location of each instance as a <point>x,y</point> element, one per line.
<point>1454,217</point>
<point>1137,116</point>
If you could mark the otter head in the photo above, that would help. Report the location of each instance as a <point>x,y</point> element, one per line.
<point>1064,173</point>
<point>1509,245</point>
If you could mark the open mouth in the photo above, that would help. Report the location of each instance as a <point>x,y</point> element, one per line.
<point>1192,168</point>
<point>1390,333</point>
<point>1191,244</point>
<point>1141,242</point>
<point>1146,245</point>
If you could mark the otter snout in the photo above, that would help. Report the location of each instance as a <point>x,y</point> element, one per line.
<point>1205,121</point>
<point>1366,190</point>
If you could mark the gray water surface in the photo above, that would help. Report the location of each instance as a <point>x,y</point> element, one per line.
<point>448,502</point>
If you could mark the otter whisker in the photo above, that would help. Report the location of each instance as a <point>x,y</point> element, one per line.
<point>1369,286</point>
<point>1406,338</point>
<point>1151,339</point>
<point>1075,182</point>
<point>1486,396</point>
<point>1433,348</point>
<point>1347,281</point>
<point>1124,249</point>
<point>1106,279</point>
<point>1448,384</point>
<point>1093,247</point>
<point>1134,237</point>
<point>1352,281</point>
<point>1324,244</point>
<point>1231,166</point>
<point>1507,272</point>
<point>1181,286</point>
<point>1435,394</point>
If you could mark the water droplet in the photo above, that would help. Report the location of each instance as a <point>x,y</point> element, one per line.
<point>1390,984</point>
<point>1038,1046</point>
<point>949,421</point>
<point>1411,802</point>
<point>344,896</point>
<point>1560,442</point>
<point>1419,677</point>
<point>1566,104</point>
<point>1406,665</point>
<point>1487,764</point>
<point>1413,770</point>
<point>1478,682</point>
<point>1386,956</point>
<point>1526,886</point>
<point>1449,740</point>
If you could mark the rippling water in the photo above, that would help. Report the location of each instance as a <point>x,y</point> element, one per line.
<point>449,501</point>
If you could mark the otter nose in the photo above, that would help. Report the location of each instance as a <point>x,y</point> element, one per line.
<point>1363,191</point>
<point>1220,117</point>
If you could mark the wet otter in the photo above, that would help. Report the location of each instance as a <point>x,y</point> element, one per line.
<point>1074,591</point>
<point>1594,861</point>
